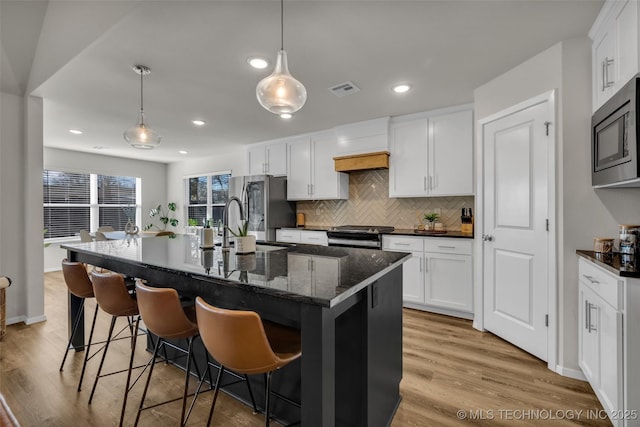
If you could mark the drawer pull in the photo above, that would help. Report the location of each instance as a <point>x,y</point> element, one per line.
<point>447,247</point>
<point>590,278</point>
<point>592,327</point>
<point>402,244</point>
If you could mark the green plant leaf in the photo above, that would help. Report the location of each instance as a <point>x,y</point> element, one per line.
<point>171,206</point>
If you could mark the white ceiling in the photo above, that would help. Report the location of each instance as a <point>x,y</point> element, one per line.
<point>78,55</point>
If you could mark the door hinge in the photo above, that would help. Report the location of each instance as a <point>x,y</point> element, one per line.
<point>546,126</point>
<point>546,320</point>
<point>547,224</point>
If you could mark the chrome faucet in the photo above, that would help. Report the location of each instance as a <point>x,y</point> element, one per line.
<point>225,221</point>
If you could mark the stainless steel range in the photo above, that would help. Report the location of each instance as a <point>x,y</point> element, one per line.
<point>358,236</point>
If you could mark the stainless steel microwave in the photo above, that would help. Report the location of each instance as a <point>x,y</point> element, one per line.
<point>615,139</point>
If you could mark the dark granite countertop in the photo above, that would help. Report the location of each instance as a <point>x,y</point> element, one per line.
<point>411,232</point>
<point>275,269</point>
<point>397,231</point>
<point>612,263</point>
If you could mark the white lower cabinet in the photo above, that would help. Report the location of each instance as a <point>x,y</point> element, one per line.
<point>309,237</point>
<point>601,339</point>
<point>608,349</point>
<point>439,275</point>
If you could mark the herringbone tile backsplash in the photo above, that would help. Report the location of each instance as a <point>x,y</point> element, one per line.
<point>369,204</point>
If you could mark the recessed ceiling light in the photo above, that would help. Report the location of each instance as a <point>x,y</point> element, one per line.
<point>75,131</point>
<point>286,115</point>
<point>182,152</point>
<point>258,63</point>
<point>198,122</point>
<point>402,88</point>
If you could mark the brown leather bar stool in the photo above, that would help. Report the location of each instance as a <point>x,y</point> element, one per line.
<point>79,284</point>
<point>164,316</point>
<point>242,342</point>
<point>114,298</point>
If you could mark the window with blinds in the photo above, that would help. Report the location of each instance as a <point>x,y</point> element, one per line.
<point>206,197</point>
<point>116,197</point>
<point>76,201</point>
<point>67,203</point>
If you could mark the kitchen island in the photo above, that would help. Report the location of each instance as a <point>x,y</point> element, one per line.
<point>346,302</point>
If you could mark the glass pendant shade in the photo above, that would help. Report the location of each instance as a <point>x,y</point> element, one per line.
<point>280,92</point>
<point>141,136</point>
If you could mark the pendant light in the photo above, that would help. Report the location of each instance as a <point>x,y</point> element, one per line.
<point>280,92</point>
<point>141,136</point>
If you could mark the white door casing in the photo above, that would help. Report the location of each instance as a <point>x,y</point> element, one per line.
<point>516,193</point>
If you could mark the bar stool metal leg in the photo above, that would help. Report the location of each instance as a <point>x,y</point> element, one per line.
<point>104,354</point>
<point>73,332</point>
<point>134,338</point>
<point>88,347</point>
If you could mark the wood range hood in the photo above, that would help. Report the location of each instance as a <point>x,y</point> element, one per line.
<point>358,162</point>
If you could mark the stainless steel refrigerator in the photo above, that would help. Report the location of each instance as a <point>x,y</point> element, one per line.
<point>264,200</point>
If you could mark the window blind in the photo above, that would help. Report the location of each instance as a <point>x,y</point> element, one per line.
<point>66,198</point>
<point>67,206</point>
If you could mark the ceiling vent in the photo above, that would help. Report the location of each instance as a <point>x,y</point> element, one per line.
<point>344,89</point>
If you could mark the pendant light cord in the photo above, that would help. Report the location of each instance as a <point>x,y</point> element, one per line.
<point>281,24</point>
<point>141,92</point>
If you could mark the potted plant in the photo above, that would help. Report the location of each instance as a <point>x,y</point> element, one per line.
<point>245,243</point>
<point>431,218</point>
<point>163,216</point>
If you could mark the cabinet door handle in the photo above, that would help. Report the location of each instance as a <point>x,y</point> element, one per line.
<point>604,70</point>
<point>426,264</point>
<point>425,184</point>
<point>607,63</point>
<point>420,264</point>
<point>430,183</point>
<point>586,315</point>
<point>591,326</point>
<point>590,278</point>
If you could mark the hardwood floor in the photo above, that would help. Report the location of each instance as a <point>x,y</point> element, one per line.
<point>448,367</point>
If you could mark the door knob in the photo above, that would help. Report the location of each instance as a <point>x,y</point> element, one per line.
<point>487,237</point>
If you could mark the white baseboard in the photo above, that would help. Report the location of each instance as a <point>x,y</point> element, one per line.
<point>36,319</point>
<point>571,373</point>
<point>16,319</point>
<point>438,310</point>
<point>26,320</point>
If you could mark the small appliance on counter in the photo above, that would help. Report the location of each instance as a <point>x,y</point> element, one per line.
<point>602,245</point>
<point>628,242</point>
<point>300,219</point>
<point>466,220</point>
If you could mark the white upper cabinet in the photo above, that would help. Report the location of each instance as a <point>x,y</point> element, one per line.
<point>369,136</point>
<point>615,58</point>
<point>270,159</point>
<point>432,155</point>
<point>311,169</point>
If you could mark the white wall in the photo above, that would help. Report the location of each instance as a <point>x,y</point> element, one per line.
<point>582,213</point>
<point>20,225</point>
<point>231,160</point>
<point>153,175</point>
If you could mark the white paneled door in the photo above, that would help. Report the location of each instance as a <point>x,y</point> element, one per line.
<point>516,209</point>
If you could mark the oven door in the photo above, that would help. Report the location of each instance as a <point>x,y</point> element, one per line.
<point>354,240</point>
